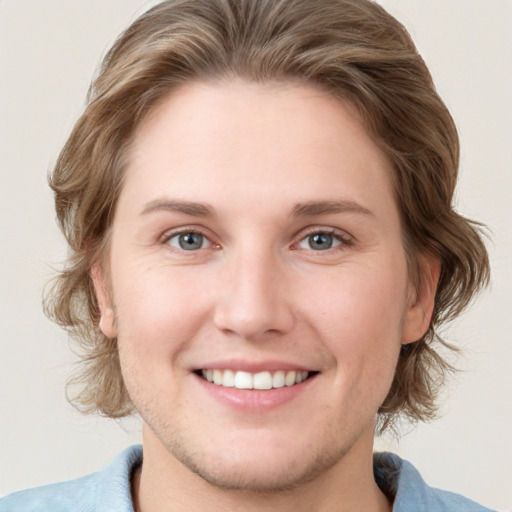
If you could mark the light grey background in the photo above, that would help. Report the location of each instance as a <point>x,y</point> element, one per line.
<point>48,53</point>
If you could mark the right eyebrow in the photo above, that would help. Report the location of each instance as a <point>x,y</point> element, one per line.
<point>186,207</point>
<point>314,208</point>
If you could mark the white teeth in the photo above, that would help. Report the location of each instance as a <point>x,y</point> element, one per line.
<point>243,380</point>
<point>228,380</point>
<point>289,380</point>
<point>217,377</point>
<point>300,377</point>
<point>261,380</point>
<point>278,380</point>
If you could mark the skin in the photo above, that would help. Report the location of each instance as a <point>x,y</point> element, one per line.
<point>265,166</point>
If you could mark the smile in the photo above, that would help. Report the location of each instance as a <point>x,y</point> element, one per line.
<point>260,380</point>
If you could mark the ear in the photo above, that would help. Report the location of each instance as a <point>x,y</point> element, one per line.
<point>422,300</point>
<point>107,319</point>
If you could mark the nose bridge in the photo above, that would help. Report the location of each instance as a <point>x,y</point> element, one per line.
<point>253,300</point>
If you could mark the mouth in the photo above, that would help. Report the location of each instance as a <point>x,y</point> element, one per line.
<point>264,380</point>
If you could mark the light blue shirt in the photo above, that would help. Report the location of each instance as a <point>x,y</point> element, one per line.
<point>109,490</point>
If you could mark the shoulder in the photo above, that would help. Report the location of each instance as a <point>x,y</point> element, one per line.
<point>77,495</point>
<point>105,490</point>
<point>412,494</point>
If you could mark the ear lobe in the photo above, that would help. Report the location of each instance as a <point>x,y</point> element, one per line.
<point>419,313</point>
<point>107,323</point>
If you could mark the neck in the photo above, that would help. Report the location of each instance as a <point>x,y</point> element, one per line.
<point>165,484</point>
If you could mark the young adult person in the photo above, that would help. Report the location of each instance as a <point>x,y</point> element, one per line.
<point>258,204</point>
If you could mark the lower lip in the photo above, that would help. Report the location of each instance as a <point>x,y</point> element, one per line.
<point>255,400</point>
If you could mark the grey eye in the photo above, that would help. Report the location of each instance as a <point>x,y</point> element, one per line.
<point>320,241</point>
<point>188,241</point>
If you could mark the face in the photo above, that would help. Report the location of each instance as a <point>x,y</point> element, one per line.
<point>258,284</point>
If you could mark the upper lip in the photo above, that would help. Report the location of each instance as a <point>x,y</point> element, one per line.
<point>254,366</point>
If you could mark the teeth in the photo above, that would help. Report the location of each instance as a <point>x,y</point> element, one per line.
<point>300,377</point>
<point>261,380</point>
<point>243,380</point>
<point>217,377</point>
<point>278,379</point>
<point>228,379</point>
<point>290,377</point>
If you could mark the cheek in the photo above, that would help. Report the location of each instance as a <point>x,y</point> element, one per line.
<point>368,303</point>
<point>158,311</point>
<point>157,317</point>
<point>359,316</point>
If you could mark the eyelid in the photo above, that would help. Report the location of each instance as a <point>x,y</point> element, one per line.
<point>345,239</point>
<point>183,230</point>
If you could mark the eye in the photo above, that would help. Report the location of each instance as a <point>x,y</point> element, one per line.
<point>188,241</point>
<point>320,241</point>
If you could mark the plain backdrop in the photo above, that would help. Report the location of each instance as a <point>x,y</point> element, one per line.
<point>49,51</point>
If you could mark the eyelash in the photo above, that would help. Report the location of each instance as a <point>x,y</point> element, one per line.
<point>344,240</point>
<point>185,231</point>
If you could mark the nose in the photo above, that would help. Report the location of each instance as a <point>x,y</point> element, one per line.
<point>254,301</point>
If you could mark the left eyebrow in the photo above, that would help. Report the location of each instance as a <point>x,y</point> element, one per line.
<point>185,207</point>
<point>313,208</point>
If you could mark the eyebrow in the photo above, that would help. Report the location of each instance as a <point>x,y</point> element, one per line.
<point>185,207</point>
<point>313,208</point>
<point>308,209</point>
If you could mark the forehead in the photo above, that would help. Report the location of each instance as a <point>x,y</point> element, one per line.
<point>210,140</point>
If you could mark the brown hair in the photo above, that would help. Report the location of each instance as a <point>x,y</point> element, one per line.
<point>352,48</point>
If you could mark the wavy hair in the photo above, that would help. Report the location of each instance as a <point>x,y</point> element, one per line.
<point>354,50</point>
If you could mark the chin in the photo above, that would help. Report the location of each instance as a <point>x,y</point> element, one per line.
<point>258,468</point>
<point>247,476</point>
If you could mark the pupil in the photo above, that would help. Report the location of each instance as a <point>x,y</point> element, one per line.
<point>320,241</point>
<point>191,241</point>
